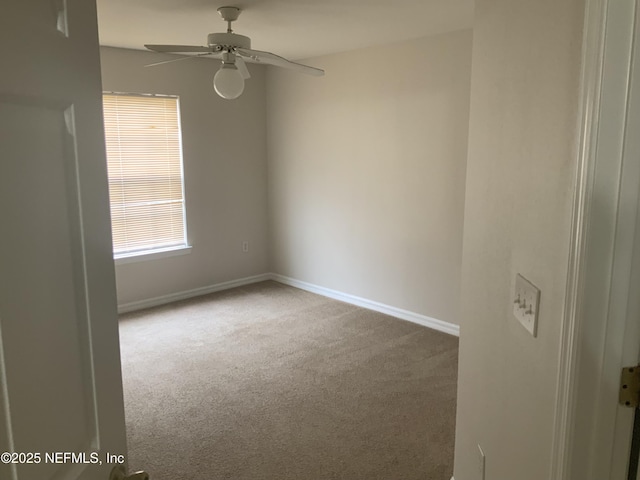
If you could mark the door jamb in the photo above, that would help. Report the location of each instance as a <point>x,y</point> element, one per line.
<point>587,344</point>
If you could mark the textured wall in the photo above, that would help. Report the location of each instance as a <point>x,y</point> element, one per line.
<point>224,150</point>
<point>367,169</point>
<point>520,177</point>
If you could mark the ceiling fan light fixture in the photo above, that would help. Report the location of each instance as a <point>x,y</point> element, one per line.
<point>228,81</point>
<point>232,49</point>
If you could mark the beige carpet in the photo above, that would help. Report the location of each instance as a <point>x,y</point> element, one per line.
<point>271,382</point>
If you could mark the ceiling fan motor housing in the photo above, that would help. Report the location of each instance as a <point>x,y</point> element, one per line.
<point>229,40</point>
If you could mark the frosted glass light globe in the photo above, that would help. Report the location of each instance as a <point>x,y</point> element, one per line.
<point>228,81</point>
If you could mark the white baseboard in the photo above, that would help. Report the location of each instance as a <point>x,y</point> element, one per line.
<point>417,318</point>
<point>423,320</point>
<point>196,292</point>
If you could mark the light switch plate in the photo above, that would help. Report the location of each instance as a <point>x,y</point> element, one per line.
<point>526,303</point>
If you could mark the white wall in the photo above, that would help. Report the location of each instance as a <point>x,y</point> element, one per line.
<point>367,169</point>
<point>224,148</point>
<point>520,179</point>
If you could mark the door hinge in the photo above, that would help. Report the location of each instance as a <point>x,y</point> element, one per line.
<point>630,387</point>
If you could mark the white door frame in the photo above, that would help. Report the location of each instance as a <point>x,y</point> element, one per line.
<point>599,335</point>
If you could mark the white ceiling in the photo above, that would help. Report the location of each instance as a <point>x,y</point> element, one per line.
<point>292,28</point>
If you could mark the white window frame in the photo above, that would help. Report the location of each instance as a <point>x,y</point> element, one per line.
<point>145,254</point>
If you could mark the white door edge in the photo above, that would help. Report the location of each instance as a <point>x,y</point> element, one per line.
<point>593,330</point>
<point>592,64</point>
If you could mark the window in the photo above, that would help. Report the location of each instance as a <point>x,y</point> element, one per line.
<point>144,162</point>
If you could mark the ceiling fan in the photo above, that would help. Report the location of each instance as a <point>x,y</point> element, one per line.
<point>232,49</point>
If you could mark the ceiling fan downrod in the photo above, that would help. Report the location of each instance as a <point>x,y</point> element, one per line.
<point>229,39</point>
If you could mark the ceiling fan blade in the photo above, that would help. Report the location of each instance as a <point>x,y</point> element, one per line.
<point>242,68</point>
<point>278,61</point>
<point>178,48</point>
<point>178,59</point>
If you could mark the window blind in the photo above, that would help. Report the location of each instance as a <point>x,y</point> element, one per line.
<point>144,162</point>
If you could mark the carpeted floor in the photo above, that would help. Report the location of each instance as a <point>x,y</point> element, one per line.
<point>271,382</point>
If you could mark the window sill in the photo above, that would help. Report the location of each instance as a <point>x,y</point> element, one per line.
<point>152,255</point>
